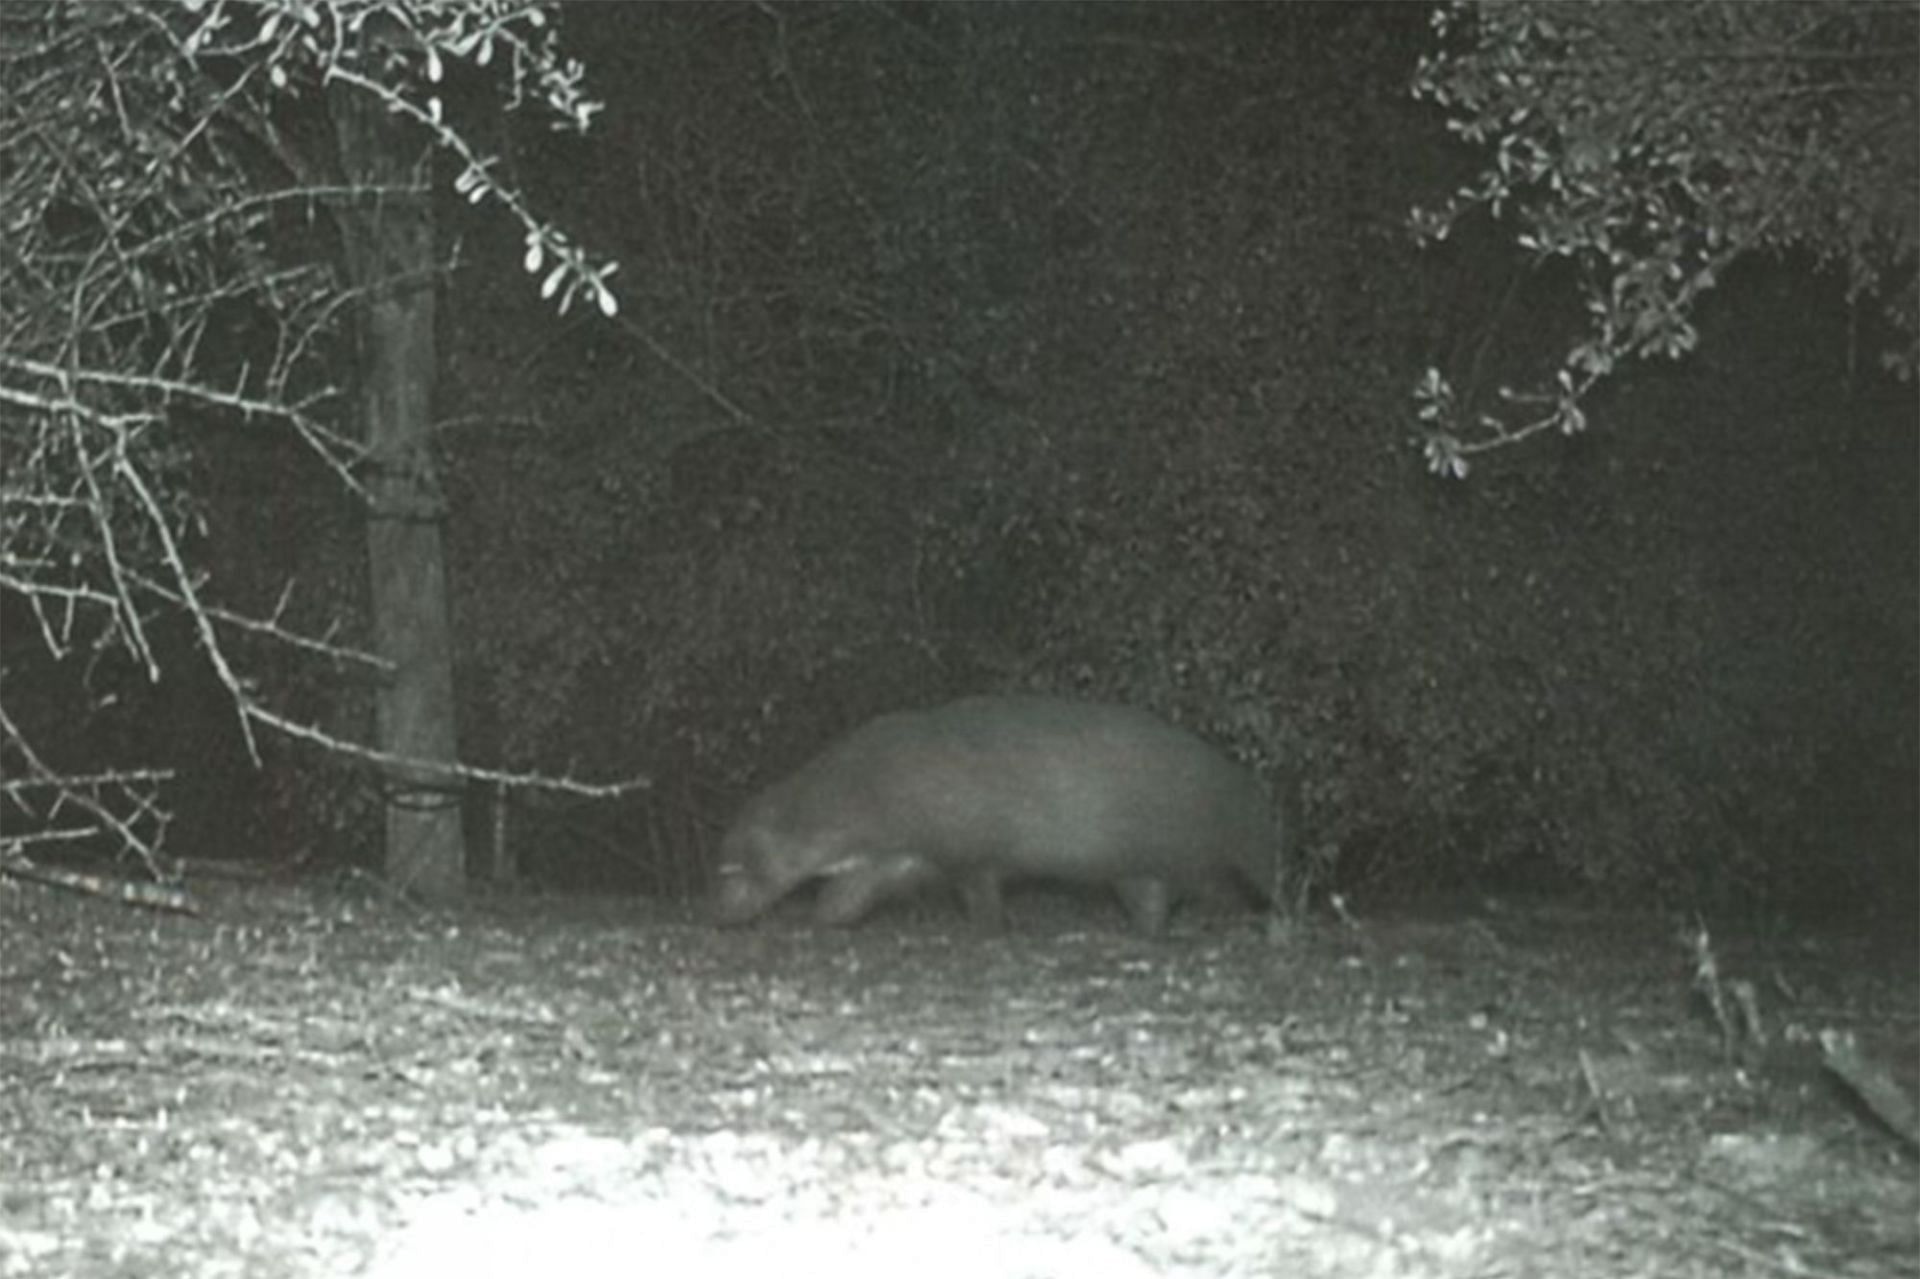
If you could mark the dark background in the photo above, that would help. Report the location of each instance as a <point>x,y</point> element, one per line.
<point>1063,347</point>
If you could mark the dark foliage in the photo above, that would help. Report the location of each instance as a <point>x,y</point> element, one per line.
<point>1066,348</point>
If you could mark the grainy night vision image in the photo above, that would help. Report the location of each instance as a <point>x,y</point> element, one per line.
<point>1033,641</point>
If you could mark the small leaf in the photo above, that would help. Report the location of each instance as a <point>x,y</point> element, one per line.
<point>434,69</point>
<point>552,282</point>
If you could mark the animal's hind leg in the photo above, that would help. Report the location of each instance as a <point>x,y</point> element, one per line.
<point>1149,902</point>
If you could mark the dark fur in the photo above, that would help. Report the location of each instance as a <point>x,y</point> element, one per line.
<point>988,789</point>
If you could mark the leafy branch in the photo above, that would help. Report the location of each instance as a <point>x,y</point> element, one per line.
<point>166,269</point>
<point>1654,146</point>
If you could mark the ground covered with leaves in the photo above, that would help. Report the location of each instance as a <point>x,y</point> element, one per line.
<point>305,1082</point>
